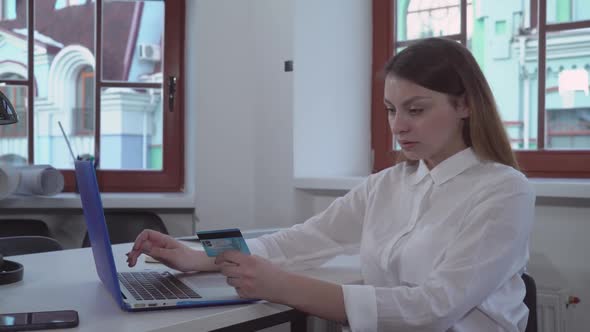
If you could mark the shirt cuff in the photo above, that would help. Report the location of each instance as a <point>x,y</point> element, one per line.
<point>257,248</point>
<point>360,303</point>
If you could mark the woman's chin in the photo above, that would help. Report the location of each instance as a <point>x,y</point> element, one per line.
<point>410,155</point>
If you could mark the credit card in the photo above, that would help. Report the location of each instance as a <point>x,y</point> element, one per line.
<point>218,241</point>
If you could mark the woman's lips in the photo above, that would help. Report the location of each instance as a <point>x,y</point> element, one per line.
<point>407,144</point>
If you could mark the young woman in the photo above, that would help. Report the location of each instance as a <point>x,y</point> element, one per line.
<point>443,235</point>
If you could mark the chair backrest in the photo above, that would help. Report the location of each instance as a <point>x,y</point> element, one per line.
<point>22,227</point>
<point>22,245</point>
<point>125,226</point>
<point>530,300</point>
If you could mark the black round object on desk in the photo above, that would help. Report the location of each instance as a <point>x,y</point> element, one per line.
<point>10,271</point>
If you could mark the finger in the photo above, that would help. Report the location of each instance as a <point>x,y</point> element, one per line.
<point>241,293</point>
<point>234,282</point>
<point>132,256</point>
<point>155,237</point>
<point>219,260</point>
<point>160,239</point>
<point>139,243</point>
<point>135,250</point>
<point>140,239</point>
<point>231,271</point>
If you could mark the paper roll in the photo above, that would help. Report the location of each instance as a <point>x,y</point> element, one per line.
<point>9,179</point>
<point>40,180</point>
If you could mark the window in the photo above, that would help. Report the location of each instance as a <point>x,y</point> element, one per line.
<point>84,110</point>
<point>7,10</point>
<point>535,57</point>
<point>59,4</point>
<point>106,81</point>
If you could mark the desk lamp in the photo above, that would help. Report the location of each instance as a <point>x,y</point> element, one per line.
<point>9,271</point>
<point>7,112</point>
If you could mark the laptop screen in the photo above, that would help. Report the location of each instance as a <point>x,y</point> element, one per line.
<point>97,228</point>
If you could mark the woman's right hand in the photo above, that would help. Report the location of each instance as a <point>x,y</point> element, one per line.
<point>170,252</point>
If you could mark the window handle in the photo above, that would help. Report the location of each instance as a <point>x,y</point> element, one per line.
<point>171,92</point>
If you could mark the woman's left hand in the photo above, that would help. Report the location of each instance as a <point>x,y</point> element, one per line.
<point>253,276</point>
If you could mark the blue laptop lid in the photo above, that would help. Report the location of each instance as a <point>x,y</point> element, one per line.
<point>97,228</point>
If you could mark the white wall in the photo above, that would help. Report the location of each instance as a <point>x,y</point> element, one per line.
<point>221,92</point>
<point>241,127</point>
<point>333,56</point>
<point>251,126</point>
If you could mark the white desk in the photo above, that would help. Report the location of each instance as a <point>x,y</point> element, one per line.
<point>67,280</point>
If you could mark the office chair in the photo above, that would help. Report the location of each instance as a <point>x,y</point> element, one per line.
<point>124,227</point>
<point>22,227</point>
<point>22,245</point>
<point>530,300</point>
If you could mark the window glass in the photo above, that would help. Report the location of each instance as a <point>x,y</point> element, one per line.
<point>13,137</point>
<point>506,54</point>
<point>62,56</point>
<point>8,9</point>
<point>13,39</point>
<point>132,117</point>
<point>135,56</point>
<point>567,99</point>
<point>418,19</point>
<point>508,57</point>
<point>131,129</point>
<point>563,11</point>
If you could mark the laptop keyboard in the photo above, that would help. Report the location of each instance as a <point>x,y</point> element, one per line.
<point>155,286</point>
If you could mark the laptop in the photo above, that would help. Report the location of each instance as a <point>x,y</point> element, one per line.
<point>148,289</point>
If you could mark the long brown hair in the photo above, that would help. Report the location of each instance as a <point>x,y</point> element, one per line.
<point>446,66</point>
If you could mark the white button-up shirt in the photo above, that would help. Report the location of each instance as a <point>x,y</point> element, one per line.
<point>441,249</point>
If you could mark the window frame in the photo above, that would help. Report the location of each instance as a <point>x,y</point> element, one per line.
<point>541,163</point>
<point>171,177</point>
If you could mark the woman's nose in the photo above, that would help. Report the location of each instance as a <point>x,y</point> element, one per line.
<point>398,124</point>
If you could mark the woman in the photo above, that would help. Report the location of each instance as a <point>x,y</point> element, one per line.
<point>443,235</point>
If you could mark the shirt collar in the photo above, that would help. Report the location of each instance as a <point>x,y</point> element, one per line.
<point>448,168</point>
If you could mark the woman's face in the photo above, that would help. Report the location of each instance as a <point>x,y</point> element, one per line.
<point>424,122</point>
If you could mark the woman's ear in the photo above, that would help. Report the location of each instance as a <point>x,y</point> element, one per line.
<point>461,107</point>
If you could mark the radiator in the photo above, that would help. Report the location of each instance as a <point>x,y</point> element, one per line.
<point>552,313</point>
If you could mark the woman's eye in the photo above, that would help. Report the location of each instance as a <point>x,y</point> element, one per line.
<point>390,110</point>
<point>415,111</point>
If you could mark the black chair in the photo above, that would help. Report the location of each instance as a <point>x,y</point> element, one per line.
<point>22,245</point>
<point>530,300</point>
<point>22,227</point>
<point>125,226</point>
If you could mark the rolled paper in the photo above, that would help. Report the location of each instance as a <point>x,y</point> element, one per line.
<point>9,179</point>
<point>40,180</point>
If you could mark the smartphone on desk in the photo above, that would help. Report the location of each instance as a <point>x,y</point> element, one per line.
<point>42,320</point>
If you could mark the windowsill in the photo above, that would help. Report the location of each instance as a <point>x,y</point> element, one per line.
<point>561,188</point>
<point>109,201</point>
